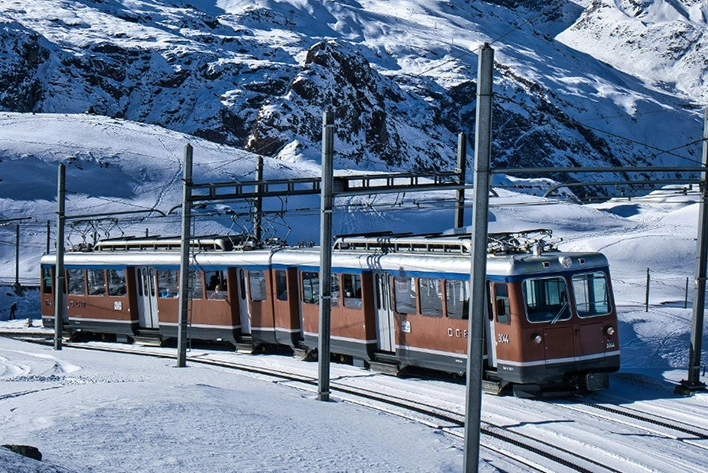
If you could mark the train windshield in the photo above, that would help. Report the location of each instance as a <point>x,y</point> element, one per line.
<point>546,299</point>
<point>592,295</point>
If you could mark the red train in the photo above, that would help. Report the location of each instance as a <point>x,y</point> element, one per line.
<point>400,300</point>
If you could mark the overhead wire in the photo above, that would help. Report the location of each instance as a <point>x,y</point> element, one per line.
<point>571,121</point>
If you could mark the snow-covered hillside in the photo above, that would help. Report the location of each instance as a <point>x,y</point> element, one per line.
<point>401,75</point>
<point>660,41</point>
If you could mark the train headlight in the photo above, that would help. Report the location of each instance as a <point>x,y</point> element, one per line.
<point>609,330</point>
<point>536,338</point>
<point>565,261</point>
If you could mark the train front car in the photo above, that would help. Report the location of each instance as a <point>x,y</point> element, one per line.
<point>553,322</point>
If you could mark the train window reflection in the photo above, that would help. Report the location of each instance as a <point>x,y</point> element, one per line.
<point>546,299</point>
<point>501,303</point>
<point>96,280</point>
<point>352,291</point>
<point>457,298</point>
<point>257,285</point>
<point>281,285</point>
<point>404,292</point>
<point>75,282</point>
<point>591,294</point>
<point>430,297</point>
<point>116,282</point>
<point>310,287</point>
<point>168,283</point>
<point>47,280</point>
<point>195,284</point>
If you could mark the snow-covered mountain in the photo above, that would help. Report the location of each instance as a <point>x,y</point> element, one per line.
<point>577,83</point>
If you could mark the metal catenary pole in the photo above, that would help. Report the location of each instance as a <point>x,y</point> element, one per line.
<point>327,204</point>
<point>184,259</point>
<point>461,171</point>
<point>478,270</point>
<point>49,235</point>
<point>17,256</point>
<point>693,383</point>
<point>59,275</point>
<point>258,211</point>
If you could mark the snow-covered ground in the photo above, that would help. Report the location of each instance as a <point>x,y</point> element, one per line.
<point>109,413</point>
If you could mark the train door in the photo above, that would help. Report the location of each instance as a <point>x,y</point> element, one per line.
<point>385,323</point>
<point>243,302</point>
<point>147,297</point>
<point>491,336</point>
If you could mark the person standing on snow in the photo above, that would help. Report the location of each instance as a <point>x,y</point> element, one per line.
<point>13,309</point>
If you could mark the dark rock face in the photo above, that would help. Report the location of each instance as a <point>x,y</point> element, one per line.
<point>215,74</point>
<point>20,87</point>
<point>26,451</point>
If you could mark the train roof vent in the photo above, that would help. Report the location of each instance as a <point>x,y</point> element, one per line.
<point>204,243</point>
<point>526,241</point>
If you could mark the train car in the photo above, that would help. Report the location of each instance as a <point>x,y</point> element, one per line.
<point>550,322</point>
<point>397,301</point>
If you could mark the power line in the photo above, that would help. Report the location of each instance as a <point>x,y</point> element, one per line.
<point>574,122</point>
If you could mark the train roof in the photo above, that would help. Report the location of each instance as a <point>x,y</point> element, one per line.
<point>509,254</point>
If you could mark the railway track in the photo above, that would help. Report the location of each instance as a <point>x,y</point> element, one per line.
<point>657,425</point>
<point>532,453</point>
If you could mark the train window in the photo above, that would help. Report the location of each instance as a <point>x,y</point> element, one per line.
<point>334,291</point>
<point>546,299</point>
<point>591,294</point>
<point>214,279</point>
<point>47,280</point>
<point>167,283</point>
<point>75,282</point>
<point>457,298</point>
<point>257,285</point>
<point>116,282</point>
<point>139,281</point>
<point>96,279</point>
<point>242,283</point>
<point>405,294</point>
<point>501,303</point>
<point>430,297</point>
<point>310,287</point>
<point>281,285</point>
<point>195,284</point>
<point>352,291</point>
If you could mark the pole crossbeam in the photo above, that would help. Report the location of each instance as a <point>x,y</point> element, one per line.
<point>659,182</point>
<point>251,189</point>
<point>690,169</point>
<point>362,184</point>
